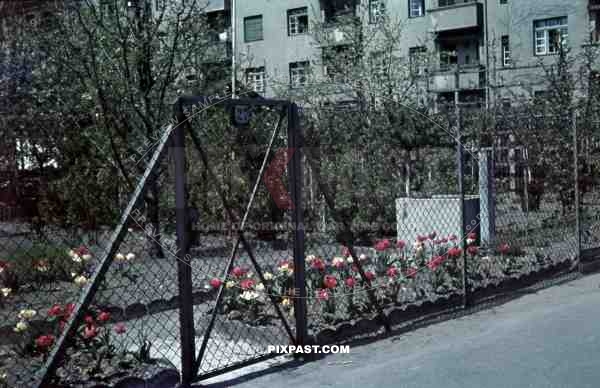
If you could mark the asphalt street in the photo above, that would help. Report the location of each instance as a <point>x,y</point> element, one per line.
<point>548,339</point>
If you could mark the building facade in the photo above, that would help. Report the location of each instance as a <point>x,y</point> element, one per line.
<point>486,50</point>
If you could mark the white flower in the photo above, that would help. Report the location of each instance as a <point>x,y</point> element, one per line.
<point>130,256</point>
<point>362,257</point>
<point>6,292</point>
<point>349,260</point>
<point>76,258</point>
<point>230,284</point>
<point>80,280</point>
<point>260,287</point>
<point>27,314</point>
<point>86,257</point>
<point>310,258</point>
<point>268,275</point>
<point>249,295</point>
<point>249,274</point>
<point>72,253</point>
<point>21,327</point>
<point>470,241</point>
<point>485,258</point>
<point>286,302</point>
<point>73,274</point>
<point>337,261</point>
<point>3,377</point>
<point>119,257</point>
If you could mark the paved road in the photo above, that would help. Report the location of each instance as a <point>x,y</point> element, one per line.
<point>548,339</point>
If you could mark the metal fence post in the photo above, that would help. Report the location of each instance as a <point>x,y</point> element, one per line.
<point>295,145</point>
<point>577,196</point>
<point>461,192</point>
<point>184,269</point>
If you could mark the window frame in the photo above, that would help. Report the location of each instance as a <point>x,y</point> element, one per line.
<point>505,51</point>
<point>376,11</point>
<point>542,35</point>
<point>253,74</point>
<point>246,20</point>
<point>297,66</point>
<point>296,14</point>
<point>417,67</point>
<point>421,8</point>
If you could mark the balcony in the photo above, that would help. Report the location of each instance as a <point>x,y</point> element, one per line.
<point>594,5</point>
<point>469,78</point>
<point>457,16</point>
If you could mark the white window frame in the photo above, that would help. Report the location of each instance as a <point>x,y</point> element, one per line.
<point>262,32</point>
<point>543,30</point>
<point>506,59</point>
<point>298,74</point>
<point>376,10</point>
<point>255,77</point>
<point>416,8</point>
<point>294,25</point>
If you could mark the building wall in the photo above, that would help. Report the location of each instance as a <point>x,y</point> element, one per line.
<point>514,19</point>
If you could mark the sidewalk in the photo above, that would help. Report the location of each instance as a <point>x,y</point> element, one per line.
<point>548,339</point>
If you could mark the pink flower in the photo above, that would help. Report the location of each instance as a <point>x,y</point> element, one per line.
<point>318,264</point>
<point>247,284</point>
<point>421,239</point>
<point>392,272</point>
<point>472,250</point>
<point>452,237</point>
<point>104,316</point>
<point>345,251</point>
<point>55,311</point>
<point>120,328</point>
<point>350,282</point>
<point>88,319</point>
<point>432,235</point>
<point>472,235</point>
<point>44,342</point>
<point>322,294</point>
<point>90,331</point>
<point>400,244</point>
<point>329,281</point>
<point>215,282</point>
<point>434,263</point>
<point>82,250</point>
<point>444,241</point>
<point>382,245</point>
<point>238,272</point>
<point>454,252</point>
<point>504,248</point>
<point>369,275</point>
<point>69,308</point>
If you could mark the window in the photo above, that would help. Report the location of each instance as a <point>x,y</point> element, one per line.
<point>376,10</point>
<point>418,60</point>
<point>297,21</point>
<point>448,55</point>
<point>503,1</point>
<point>445,3</point>
<point>416,8</point>
<point>253,28</point>
<point>378,64</point>
<point>594,26</point>
<point>255,77</point>
<point>550,35</point>
<point>506,52</point>
<point>298,74</point>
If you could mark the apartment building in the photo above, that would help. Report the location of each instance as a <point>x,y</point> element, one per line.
<point>482,49</point>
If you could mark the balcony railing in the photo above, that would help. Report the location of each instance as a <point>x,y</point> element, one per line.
<point>460,15</point>
<point>451,77</point>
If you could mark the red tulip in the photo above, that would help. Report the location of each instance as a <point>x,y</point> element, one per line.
<point>472,250</point>
<point>434,263</point>
<point>329,281</point>
<point>504,248</point>
<point>432,235</point>
<point>382,245</point>
<point>238,272</point>
<point>472,236</point>
<point>90,331</point>
<point>400,244</point>
<point>104,316</point>
<point>454,252</point>
<point>369,275</point>
<point>322,294</point>
<point>392,272</point>
<point>215,282</point>
<point>350,282</point>
<point>247,284</point>
<point>88,319</point>
<point>44,342</point>
<point>120,328</point>
<point>318,264</point>
<point>55,311</point>
<point>345,251</point>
